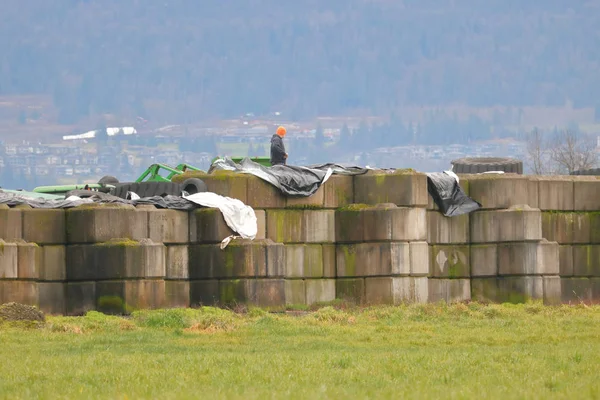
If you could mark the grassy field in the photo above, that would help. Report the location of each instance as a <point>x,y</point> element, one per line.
<point>419,351</point>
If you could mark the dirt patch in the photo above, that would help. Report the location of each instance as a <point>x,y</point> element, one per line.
<point>20,312</point>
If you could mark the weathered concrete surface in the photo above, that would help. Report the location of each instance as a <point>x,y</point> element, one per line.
<point>449,261</point>
<point>373,259</point>
<point>8,260</point>
<point>116,259</point>
<point>295,292</point>
<point>11,223</point>
<point>351,290</point>
<point>382,222</point>
<point>555,192</point>
<point>531,258</point>
<point>177,262</point>
<point>319,290</point>
<point>177,294</point>
<point>204,293</point>
<point>262,194</point>
<point>329,264</point>
<point>338,191</point>
<point>516,224</point>
<point>81,297</point>
<point>396,290</point>
<point>502,191</point>
<point>448,290</point>
<point>516,289</point>
<point>29,262</point>
<point>301,226</point>
<point>268,293</point>
<point>44,226</point>
<point>571,227</point>
<point>552,290</point>
<point>224,183</point>
<point>304,261</point>
<point>565,260</point>
<point>447,230</point>
<point>484,260</point>
<point>54,263</point>
<point>52,297</point>
<point>240,259</point>
<point>576,290</point>
<point>419,259</point>
<point>126,296</point>
<point>24,292</point>
<point>168,226</point>
<point>95,223</point>
<point>586,261</point>
<point>586,193</point>
<point>402,187</point>
<point>207,225</point>
<point>316,200</point>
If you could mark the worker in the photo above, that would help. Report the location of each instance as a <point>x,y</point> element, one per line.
<point>278,154</point>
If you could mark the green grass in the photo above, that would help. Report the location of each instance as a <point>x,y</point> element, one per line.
<point>419,351</point>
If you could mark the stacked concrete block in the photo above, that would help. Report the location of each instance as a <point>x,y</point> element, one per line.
<point>381,254</point>
<point>501,191</point>
<point>449,257</point>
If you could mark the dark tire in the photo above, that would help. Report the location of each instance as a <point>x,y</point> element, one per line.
<point>476,165</point>
<point>84,194</point>
<point>194,185</point>
<point>591,171</point>
<point>108,180</point>
<point>148,189</point>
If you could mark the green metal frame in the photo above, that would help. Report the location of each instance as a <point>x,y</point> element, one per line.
<point>153,172</point>
<point>63,189</point>
<point>264,161</point>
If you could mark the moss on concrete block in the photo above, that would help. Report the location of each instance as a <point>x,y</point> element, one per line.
<point>29,262</point>
<point>402,187</point>
<point>168,226</point>
<point>351,290</point>
<point>224,183</point>
<point>44,226</point>
<point>349,225</point>
<point>267,293</point>
<point>388,222</point>
<point>304,261</point>
<point>528,258</point>
<point>52,297</point>
<point>373,259</point>
<point>262,194</point>
<point>516,224</point>
<point>177,294</point>
<point>276,258</point>
<point>207,225</point>
<point>450,261</point>
<point>328,260</point>
<point>295,292</point>
<point>314,201</point>
<point>396,290</point>
<point>285,226</point>
<point>8,260</point>
<point>81,297</point>
<point>319,290</point>
<point>338,191</point>
<point>11,223</point>
<point>586,261</point>
<point>502,191</point>
<point>521,289</point>
<point>565,260</point>
<point>124,297</point>
<point>103,223</point>
<point>485,290</point>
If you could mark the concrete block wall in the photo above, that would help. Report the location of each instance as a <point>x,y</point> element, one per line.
<point>368,239</point>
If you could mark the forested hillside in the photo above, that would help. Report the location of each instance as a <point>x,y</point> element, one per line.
<point>189,59</point>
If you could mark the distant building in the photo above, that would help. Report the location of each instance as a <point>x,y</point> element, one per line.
<point>127,130</point>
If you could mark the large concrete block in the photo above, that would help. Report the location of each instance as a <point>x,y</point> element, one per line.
<point>338,191</point>
<point>485,290</point>
<point>447,230</point>
<point>116,259</point>
<point>586,261</point>
<point>419,259</point>
<point>262,194</point>
<point>576,290</point>
<point>207,225</point>
<point>11,223</point>
<point>267,293</point>
<point>328,260</point>
<point>449,290</point>
<point>450,261</point>
<point>516,224</point>
<point>124,297</point>
<point>54,263</point>
<point>555,193</point>
<point>94,223</point>
<point>495,191</point>
<point>351,290</point>
<point>565,260</point>
<point>319,290</point>
<point>52,297</point>
<point>29,263</point>
<point>373,259</point>
<point>510,289</point>
<point>558,227</point>
<point>396,290</point>
<point>177,262</point>
<point>24,292</point>
<point>295,292</point>
<point>316,200</point>
<point>586,193</point>
<point>382,222</point>
<point>44,226</point>
<point>8,260</point>
<point>224,183</point>
<point>530,258</point>
<point>168,226</point>
<point>177,294</point>
<point>301,226</point>
<point>304,261</point>
<point>240,259</point>
<point>401,187</point>
<point>388,222</point>
<point>81,297</point>
<point>552,290</point>
<point>204,293</point>
<point>484,260</point>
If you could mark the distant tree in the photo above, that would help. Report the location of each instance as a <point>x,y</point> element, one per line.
<point>537,153</point>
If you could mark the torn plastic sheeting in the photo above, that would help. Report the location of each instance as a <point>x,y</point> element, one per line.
<point>292,181</point>
<point>448,195</point>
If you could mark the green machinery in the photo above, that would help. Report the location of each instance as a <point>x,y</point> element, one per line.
<point>153,172</point>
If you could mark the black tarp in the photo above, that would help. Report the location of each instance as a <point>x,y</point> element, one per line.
<point>449,196</point>
<point>292,181</point>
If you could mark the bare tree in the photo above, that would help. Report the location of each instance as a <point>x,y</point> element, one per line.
<point>537,153</point>
<point>571,152</point>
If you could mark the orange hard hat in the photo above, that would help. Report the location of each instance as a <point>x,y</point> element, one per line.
<point>281,131</point>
